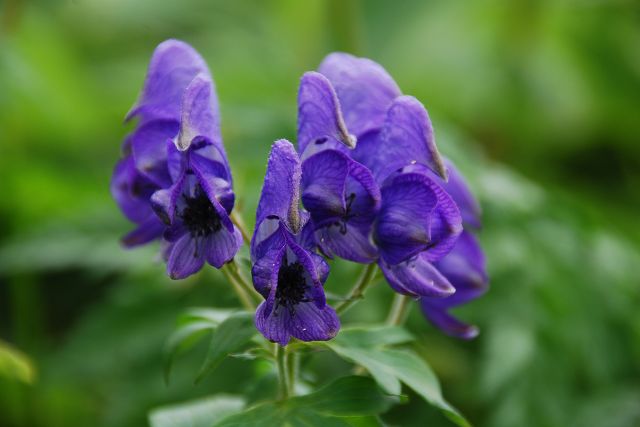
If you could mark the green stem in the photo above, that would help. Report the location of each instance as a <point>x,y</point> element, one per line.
<point>399,310</point>
<point>357,292</point>
<point>293,361</point>
<point>239,222</point>
<point>244,297</point>
<point>281,362</point>
<point>234,269</point>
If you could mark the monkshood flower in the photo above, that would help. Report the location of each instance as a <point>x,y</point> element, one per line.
<point>286,271</point>
<point>197,204</point>
<point>464,267</point>
<point>143,169</point>
<point>418,222</point>
<point>340,194</point>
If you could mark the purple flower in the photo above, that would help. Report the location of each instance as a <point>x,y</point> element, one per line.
<point>174,180</point>
<point>340,194</point>
<point>197,204</point>
<point>464,267</point>
<point>286,271</point>
<point>418,222</point>
<point>423,250</point>
<point>143,170</point>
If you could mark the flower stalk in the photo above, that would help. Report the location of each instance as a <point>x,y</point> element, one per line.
<point>281,363</point>
<point>399,310</point>
<point>357,292</point>
<point>243,296</point>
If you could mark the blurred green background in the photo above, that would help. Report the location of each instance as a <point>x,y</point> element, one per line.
<point>537,101</point>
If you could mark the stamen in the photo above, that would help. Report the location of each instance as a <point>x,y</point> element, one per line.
<point>292,286</point>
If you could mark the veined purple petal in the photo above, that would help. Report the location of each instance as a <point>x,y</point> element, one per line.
<point>364,88</point>
<point>417,277</point>
<point>173,66</point>
<point>149,149</point>
<point>200,115</point>
<point>319,114</point>
<point>406,138</point>
<point>280,195</point>
<point>324,177</point>
<point>218,191</point>
<point>403,228</point>
<point>265,272</point>
<point>186,257</point>
<point>308,323</point>
<point>222,246</point>
<point>347,241</point>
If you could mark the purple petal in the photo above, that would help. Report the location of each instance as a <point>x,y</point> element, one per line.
<point>417,277</point>
<point>173,66</point>
<point>164,201</point>
<point>403,227</point>
<point>148,230</point>
<point>218,191</point>
<point>364,88</point>
<point>319,114</point>
<point>324,178</point>
<point>200,115</point>
<point>148,145</point>
<point>280,195</point>
<point>265,272</point>
<point>311,323</point>
<point>186,257</point>
<point>465,267</point>
<point>347,241</point>
<point>131,191</point>
<point>406,138</point>
<point>459,190</point>
<point>222,246</point>
<point>273,326</point>
<point>447,323</point>
<point>269,233</point>
<point>307,323</point>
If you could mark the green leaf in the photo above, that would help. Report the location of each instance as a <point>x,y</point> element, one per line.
<point>229,337</point>
<point>347,396</point>
<point>348,401</point>
<point>212,315</point>
<point>182,339</point>
<point>15,364</point>
<point>389,367</point>
<point>197,413</point>
<point>374,336</point>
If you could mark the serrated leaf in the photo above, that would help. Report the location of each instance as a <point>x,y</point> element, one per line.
<point>389,367</point>
<point>347,396</point>
<point>347,399</point>
<point>213,315</point>
<point>197,413</point>
<point>374,336</point>
<point>229,337</point>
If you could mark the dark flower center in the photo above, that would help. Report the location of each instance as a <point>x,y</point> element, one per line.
<point>199,215</point>
<point>292,286</point>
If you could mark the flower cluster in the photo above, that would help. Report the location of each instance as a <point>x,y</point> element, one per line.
<point>366,184</point>
<point>174,180</point>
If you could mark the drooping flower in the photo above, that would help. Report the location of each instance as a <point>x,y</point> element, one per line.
<point>197,205</point>
<point>174,180</point>
<point>418,222</point>
<point>286,271</point>
<point>143,169</point>
<point>423,249</point>
<point>464,267</point>
<point>340,194</point>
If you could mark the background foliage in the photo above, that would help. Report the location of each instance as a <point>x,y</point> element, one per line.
<point>536,100</point>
